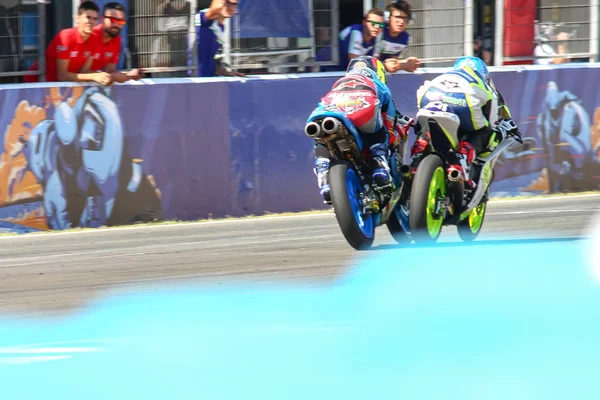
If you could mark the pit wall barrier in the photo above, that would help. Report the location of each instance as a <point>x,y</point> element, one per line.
<point>185,149</point>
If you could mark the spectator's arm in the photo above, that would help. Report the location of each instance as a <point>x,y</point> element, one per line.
<point>120,76</point>
<point>561,48</point>
<point>65,76</point>
<point>222,71</point>
<point>87,67</point>
<point>409,65</point>
<point>396,64</point>
<point>215,9</point>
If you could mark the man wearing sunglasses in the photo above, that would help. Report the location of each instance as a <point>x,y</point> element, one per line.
<point>210,32</point>
<point>360,39</point>
<point>395,39</point>
<point>109,50</point>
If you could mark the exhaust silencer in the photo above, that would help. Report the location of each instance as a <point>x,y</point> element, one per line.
<point>331,125</point>
<point>405,171</point>
<point>454,175</point>
<point>313,130</point>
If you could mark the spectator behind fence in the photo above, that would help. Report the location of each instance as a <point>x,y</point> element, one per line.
<point>210,32</point>
<point>395,39</point>
<point>70,53</point>
<point>358,40</point>
<point>109,50</point>
<point>482,49</point>
<point>544,49</point>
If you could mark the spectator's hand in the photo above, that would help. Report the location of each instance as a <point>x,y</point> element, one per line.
<point>136,74</point>
<point>563,36</point>
<point>103,78</point>
<point>392,65</point>
<point>411,64</point>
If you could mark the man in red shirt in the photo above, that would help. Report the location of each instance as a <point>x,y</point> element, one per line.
<point>70,54</point>
<point>109,36</point>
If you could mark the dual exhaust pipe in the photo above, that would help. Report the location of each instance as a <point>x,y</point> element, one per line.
<point>328,126</point>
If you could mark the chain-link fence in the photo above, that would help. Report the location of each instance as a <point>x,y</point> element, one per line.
<point>301,47</point>
<point>22,38</point>
<point>441,30</point>
<point>159,35</point>
<point>547,31</point>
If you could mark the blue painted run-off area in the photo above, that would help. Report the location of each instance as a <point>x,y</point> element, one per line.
<point>407,323</point>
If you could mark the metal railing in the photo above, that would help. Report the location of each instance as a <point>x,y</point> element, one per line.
<point>441,30</point>
<point>552,31</point>
<point>22,39</point>
<point>161,35</point>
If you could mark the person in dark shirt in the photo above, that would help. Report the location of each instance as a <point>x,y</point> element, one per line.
<point>210,33</point>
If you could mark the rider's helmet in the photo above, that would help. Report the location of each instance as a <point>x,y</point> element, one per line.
<point>369,63</point>
<point>476,65</point>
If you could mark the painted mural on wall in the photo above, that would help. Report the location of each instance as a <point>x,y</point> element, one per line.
<point>65,163</point>
<point>561,152</point>
<point>86,157</point>
<point>565,134</point>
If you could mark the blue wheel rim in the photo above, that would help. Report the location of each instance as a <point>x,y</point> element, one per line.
<point>364,221</point>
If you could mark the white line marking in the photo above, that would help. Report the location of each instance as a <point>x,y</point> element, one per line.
<point>93,254</point>
<point>45,350</point>
<point>62,342</point>
<point>533,199</point>
<point>29,360</point>
<point>538,212</point>
<point>203,235</point>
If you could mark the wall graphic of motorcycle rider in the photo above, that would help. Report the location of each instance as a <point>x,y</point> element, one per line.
<point>88,177</point>
<point>563,130</point>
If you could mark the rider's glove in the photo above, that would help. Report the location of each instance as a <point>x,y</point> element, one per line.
<point>506,127</point>
<point>403,124</point>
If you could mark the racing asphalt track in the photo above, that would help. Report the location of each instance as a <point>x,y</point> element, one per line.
<point>56,273</point>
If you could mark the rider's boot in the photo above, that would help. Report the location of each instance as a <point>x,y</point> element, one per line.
<point>417,151</point>
<point>382,177</point>
<point>465,156</point>
<point>321,170</point>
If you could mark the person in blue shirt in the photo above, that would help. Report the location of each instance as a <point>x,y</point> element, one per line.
<point>394,41</point>
<point>358,40</point>
<point>210,33</point>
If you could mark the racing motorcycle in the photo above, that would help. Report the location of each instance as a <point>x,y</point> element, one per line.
<point>438,195</point>
<point>359,208</point>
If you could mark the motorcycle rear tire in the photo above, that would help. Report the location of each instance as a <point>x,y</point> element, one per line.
<point>344,183</point>
<point>396,230</point>
<point>425,226</point>
<point>470,227</point>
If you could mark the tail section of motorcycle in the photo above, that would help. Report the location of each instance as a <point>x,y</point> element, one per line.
<point>438,194</point>
<point>359,209</point>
